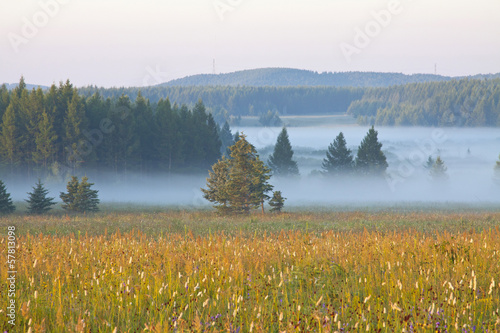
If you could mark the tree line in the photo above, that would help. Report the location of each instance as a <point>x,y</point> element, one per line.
<point>370,160</point>
<point>79,198</point>
<point>458,103</point>
<point>60,132</point>
<point>226,102</point>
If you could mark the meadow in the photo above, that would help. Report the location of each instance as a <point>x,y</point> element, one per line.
<point>193,271</point>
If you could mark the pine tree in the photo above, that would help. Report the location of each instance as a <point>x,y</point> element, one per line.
<point>370,160</point>
<point>438,170</point>
<point>6,205</point>
<point>70,202</point>
<point>4,99</point>
<point>38,201</point>
<point>281,161</point>
<point>236,137</point>
<point>238,184</point>
<point>226,138</point>
<point>80,197</point>
<point>216,191</point>
<point>45,141</point>
<point>241,177</point>
<point>87,198</point>
<point>496,172</point>
<point>339,160</point>
<point>74,123</point>
<point>430,162</point>
<point>277,202</point>
<point>166,134</point>
<point>10,137</point>
<point>261,186</point>
<point>212,142</point>
<point>145,130</point>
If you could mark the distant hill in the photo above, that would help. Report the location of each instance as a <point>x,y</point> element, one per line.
<point>288,77</point>
<point>11,86</point>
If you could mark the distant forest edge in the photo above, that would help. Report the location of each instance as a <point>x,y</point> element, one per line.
<point>464,102</point>
<point>290,77</point>
<point>59,132</point>
<point>63,129</point>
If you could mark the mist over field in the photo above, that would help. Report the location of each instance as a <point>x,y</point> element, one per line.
<point>468,153</point>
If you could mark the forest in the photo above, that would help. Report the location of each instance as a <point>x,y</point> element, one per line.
<point>63,129</point>
<point>227,101</point>
<point>58,132</point>
<point>465,102</point>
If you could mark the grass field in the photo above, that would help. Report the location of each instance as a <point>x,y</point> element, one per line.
<point>195,271</point>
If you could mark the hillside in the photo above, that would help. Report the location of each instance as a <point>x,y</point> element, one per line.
<point>288,77</point>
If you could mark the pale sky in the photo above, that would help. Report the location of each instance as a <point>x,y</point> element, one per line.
<point>137,43</point>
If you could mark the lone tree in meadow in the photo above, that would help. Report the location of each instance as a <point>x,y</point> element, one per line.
<point>6,205</point>
<point>38,202</point>
<point>281,161</point>
<point>240,183</point>
<point>80,197</point>
<point>371,160</point>
<point>438,170</point>
<point>496,172</point>
<point>339,159</point>
<point>430,163</point>
<point>277,202</point>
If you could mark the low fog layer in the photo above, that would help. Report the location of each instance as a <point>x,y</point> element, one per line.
<point>469,155</point>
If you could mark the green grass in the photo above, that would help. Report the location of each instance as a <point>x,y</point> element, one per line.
<point>177,270</point>
<point>156,220</point>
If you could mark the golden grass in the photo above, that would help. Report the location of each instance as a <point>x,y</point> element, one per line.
<point>322,281</point>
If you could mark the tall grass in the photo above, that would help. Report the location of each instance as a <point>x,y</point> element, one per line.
<point>199,272</point>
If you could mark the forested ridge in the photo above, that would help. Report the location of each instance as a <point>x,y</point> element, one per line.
<point>290,77</point>
<point>59,132</point>
<point>62,129</point>
<point>464,102</point>
<point>224,101</point>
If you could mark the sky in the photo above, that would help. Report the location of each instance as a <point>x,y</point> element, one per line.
<point>140,43</point>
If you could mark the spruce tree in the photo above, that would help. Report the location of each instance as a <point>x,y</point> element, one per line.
<point>6,205</point>
<point>45,139</point>
<point>339,159</point>
<point>226,138</point>
<point>261,186</point>
<point>438,170</point>
<point>430,162</point>
<point>496,172</point>
<point>277,202</point>
<point>241,177</point>
<point>10,137</point>
<point>70,202</point>
<point>216,191</point>
<point>238,184</point>
<point>281,161</point>
<point>74,124</point>
<point>211,142</point>
<point>370,160</point>
<point>236,137</point>
<point>80,197</point>
<point>38,201</point>
<point>87,198</point>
